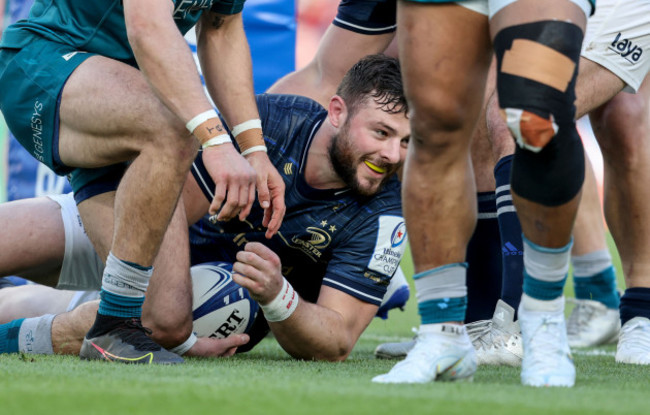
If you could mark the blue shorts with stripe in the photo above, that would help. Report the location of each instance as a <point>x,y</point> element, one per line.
<point>368,17</point>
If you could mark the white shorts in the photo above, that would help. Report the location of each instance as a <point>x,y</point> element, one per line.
<point>82,268</point>
<point>491,7</point>
<point>618,38</point>
<point>80,297</point>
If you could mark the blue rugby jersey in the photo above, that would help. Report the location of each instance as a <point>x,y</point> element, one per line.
<point>329,237</point>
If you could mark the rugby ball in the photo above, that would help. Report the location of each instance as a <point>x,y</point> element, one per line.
<point>220,306</point>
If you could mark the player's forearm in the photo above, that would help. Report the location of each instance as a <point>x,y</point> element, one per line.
<point>225,59</point>
<point>314,332</point>
<point>170,69</point>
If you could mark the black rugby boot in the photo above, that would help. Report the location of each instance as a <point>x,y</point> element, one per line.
<point>125,341</point>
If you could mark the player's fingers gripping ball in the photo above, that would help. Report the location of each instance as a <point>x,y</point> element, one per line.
<point>262,264</point>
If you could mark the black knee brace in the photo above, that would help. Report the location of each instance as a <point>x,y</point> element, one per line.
<point>536,74</point>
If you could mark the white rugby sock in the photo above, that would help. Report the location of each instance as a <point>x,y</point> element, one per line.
<point>35,335</point>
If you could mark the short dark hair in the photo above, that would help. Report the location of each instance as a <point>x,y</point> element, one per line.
<point>377,76</point>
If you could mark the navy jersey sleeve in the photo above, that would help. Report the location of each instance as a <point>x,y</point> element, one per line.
<point>363,265</point>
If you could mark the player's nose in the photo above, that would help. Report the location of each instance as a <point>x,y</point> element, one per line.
<point>391,151</point>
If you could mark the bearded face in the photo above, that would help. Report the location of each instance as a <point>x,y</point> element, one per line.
<point>356,158</point>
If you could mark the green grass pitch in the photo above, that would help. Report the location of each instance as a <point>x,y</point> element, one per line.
<point>267,381</point>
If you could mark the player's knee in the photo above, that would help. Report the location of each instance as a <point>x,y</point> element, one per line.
<point>430,128</point>
<point>554,175</point>
<point>536,75</point>
<point>334,354</point>
<point>170,338</point>
<point>187,151</point>
<point>622,128</point>
<point>167,137</point>
<point>169,332</point>
<point>176,152</point>
<point>530,131</point>
<point>439,109</point>
<point>537,68</point>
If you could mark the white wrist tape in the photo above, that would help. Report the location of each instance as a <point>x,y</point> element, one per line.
<point>199,119</point>
<point>246,125</point>
<point>253,150</point>
<point>181,349</point>
<point>216,141</point>
<point>283,305</point>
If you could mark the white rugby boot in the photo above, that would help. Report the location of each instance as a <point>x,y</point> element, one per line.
<point>591,323</point>
<point>547,358</point>
<point>634,342</point>
<point>442,352</point>
<point>497,341</point>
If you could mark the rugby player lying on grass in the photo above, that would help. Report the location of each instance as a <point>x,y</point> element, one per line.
<point>340,243</point>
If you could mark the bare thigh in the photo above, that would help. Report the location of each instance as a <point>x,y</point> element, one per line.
<point>33,241</point>
<point>444,86</point>
<point>595,86</point>
<point>108,112</point>
<point>32,301</point>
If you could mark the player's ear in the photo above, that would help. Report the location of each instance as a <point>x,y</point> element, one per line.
<point>337,111</point>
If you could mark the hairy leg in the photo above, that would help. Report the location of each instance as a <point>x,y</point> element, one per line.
<point>589,228</point>
<point>167,310</point>
<point>548,226</point>
<point>445,54</point>
<point>547,168</point>
<point>168,304</point>
<point>69,329</point>
<point>439,195</point>
<point>622,127</point>
<point>589,98</point>
<point>130,124</point>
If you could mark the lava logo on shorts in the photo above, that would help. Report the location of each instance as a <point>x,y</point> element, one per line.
<point>399,234</point>
<point>628,50</point>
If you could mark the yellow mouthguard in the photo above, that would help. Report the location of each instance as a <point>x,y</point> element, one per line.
<point>374,167</point>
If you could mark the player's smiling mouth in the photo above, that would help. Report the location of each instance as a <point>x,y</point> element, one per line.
<point>374,167</point>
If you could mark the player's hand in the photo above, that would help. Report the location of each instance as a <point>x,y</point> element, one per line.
<point>259,270</point>
<point>207,347</point>
<point>270,191</point>
<point>234,177</point>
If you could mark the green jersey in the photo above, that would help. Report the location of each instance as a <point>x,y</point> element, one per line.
<point>98,26</point>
